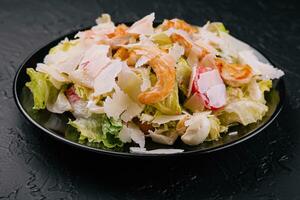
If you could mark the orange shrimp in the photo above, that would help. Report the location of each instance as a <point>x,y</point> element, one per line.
<point>119,31</point>
<point>188,45</point>
<point>234,75</point>
<point>118,37</point>
<point>121,53</point>
<point>183,42</point>
<point>132,58</point>
<point>179,24</point>
<point>163,66</point>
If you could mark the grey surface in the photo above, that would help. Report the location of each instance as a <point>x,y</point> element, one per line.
<point>34,166</point>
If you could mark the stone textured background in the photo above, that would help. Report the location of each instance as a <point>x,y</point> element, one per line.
<point>34,166</point>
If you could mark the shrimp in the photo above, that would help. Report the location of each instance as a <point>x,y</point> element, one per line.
<point>163,66</point>
<point>118,37</point>
<point>120,30</point>
<point>234,75</point>
<point>183,42</point>
<point>121,53</point>
<point>188,45</point>
<point>132,58</point>
<point>179,24</point>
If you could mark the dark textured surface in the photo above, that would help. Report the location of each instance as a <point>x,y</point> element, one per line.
<point>34,166</point>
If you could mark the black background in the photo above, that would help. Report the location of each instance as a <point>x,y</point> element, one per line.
<point>34,166</point>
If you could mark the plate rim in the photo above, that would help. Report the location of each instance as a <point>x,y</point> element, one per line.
<point>274,115</point>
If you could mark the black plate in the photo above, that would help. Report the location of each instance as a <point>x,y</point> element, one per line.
<point>55,124</point>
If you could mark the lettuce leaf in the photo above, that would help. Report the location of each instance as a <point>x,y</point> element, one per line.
<point>265,85</point>
<point>82,92</point>
<point>170,105</point>
<point>161,39</point>
<point>64,45</point>
<point>150,110</point>
<point>98,129</point>
<point>41,88</point>
<point>243,111</point>
<point>217,27</point>
<point>255,90</point>
<point>183,74</point>
<point>215,128</point>
<point>110,130</point>
<point>234,93</point>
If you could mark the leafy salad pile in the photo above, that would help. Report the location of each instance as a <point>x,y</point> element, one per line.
<point>174,81</point>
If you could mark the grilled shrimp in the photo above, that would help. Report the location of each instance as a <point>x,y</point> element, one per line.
<point>117,38</point>
<point>179,24</point>
<point>234,75</point>
<point>119,31</point>
<point>163,66</point>
<point>183,42</point>
<point>121,53</point>
<point>188,45</point>
<point>132,58</point>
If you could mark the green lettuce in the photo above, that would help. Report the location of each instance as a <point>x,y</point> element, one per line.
<point>63,46</point>
<point>234,93</point>
<point>243,111</point>
<point>82,92</point>
<point>215,128</point>
<point>217,27</point>
<point>41,88</point>
<point>255,90</point>
<point>265,85</point>
<point>169,105</point>
<point>183,74</point>
<point>150,110</point>
<point>161,39</point>
<point>98,129</point>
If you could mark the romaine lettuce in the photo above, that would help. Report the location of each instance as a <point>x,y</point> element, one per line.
<point>215,128</point>
<point>234,93</point>
<point>170,105</point>
<point>183,74</point>
<point>41,88</point>
<point>98,129</point>
<point>161,39</point>
<point>217,27</point>
<point>243,111</point>
<point>265,85</point>
<point>65,45</point>
<point>82,92</point>
<point>255,90</point>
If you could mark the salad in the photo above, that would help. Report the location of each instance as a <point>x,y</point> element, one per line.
<point>175,81</point>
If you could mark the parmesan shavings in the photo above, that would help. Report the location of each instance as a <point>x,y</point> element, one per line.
<point>162,119</point>
<point>120,104</point>
<point>143,26</point>
<point>105,81</point>
<point>156,151</point>
<point>132,132</point>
